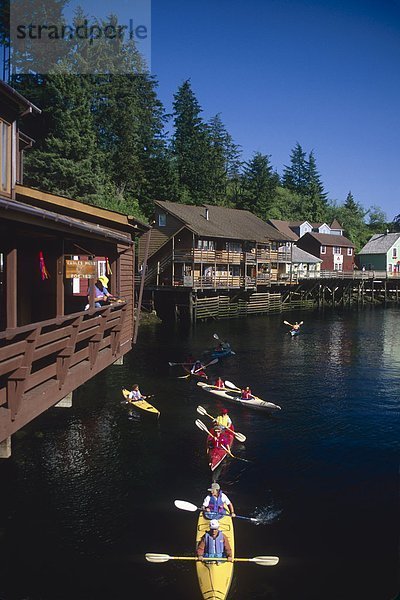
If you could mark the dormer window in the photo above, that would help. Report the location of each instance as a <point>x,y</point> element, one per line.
<point>162,220</point>
<point>323,249</point>
<point>5,157</point>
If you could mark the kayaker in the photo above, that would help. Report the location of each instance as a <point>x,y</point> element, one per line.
<point>246,393</point>
<point>295,326</point>
<point>219,439</point>
<point>214,544</point>
<point>223,419</point>
<point>220,383</point>
<point>217,501</point>
<point>135,393</point>
<point>198,368</point>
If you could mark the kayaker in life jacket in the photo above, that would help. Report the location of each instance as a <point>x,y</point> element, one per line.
<point>198,369</point>
<point>135,393</point>
<point>214,544</point>
<point>218,439</point>
<point>246,393</point>
<point>219,383</point>
<point>224,420</point>
<point>217,502</point>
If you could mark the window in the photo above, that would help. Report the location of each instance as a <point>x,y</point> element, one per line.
<point>390,267</point>
<point>349,251</point>
<point>338,267</point>
<point>162,220</point>
<point>233,246</point>
<point>5,157</point>
<point>323,249</point>
<point>394,252</point>
<point>337,250</point>
<point>205,244</point>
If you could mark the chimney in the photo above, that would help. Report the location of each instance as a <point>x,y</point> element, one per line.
<point>206,214</point>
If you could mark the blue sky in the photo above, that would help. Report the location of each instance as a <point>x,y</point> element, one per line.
<point>322,73</point>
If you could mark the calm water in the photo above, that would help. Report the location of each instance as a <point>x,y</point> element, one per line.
<point>87,491</point>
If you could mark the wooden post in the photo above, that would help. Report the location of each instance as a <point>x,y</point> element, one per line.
<point>91,293</point>
<point>11,288</point>
<point>139,304</point>
<point>60,284</point>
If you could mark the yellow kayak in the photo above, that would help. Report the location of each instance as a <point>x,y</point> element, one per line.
<point>215,578</point>
<point>143,404</point>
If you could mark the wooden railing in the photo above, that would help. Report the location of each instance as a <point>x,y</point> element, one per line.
<point>45,357</point>
<point>324,274</point>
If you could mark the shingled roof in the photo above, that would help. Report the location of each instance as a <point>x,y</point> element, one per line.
<point>301,256</point>
<point>380,243</point>
<point>284,227</point>
<point>223,222</point>
<point>328,239</point>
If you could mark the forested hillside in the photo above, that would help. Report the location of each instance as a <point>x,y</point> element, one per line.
<point>106,139</point>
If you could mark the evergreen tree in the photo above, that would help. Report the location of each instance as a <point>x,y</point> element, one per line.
<point>296,176</point>
<point>316,198</point>
<point>191,147</point>
<point>66,160</point>
<point>225,160</point>
<point>258,186</point>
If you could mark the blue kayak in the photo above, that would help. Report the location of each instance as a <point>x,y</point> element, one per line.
<point>221,353</point>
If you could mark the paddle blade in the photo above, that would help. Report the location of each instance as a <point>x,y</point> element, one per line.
<point>201,410</point>
<point>201,425</point>
<point>157,558</point>
<point>287,323</point>
<point>183,505</point>
<point>216,336</point>
<point>265,561</point>
<point>212,362</point>
<point>231,385</point>
<point>240,436</point>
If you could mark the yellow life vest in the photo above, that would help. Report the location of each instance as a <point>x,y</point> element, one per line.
<point>223,420</point>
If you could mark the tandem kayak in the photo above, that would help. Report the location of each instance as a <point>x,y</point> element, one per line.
<point>142,404</point>
<point>217,455</point>
<point>215,578</point>
<point>235,397</point>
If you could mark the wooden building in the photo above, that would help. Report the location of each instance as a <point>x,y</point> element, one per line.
<point>381,253</point>
<point>213,248</point>
<point>50,345</point>
<point>336,251</point>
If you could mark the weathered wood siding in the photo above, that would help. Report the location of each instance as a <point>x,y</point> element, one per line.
<point>125,286</point>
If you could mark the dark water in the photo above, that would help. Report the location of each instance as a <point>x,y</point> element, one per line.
<point>87,491</point>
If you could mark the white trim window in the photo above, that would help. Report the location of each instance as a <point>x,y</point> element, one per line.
<point>349,251</point>
<point>394,255</point>
<point>337,250</point>
<point>323,249</point>
<point>162,219</point>
<point>5,157</point>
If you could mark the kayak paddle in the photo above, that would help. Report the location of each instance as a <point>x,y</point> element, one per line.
<point>264,561</point>
<point>239,436</point>
<point>183,505</point>
<point>203,427</point>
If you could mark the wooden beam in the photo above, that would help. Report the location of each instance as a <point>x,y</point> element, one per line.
<point>11,288</point>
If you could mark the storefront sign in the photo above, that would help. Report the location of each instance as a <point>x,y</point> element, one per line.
<point>80,269</point>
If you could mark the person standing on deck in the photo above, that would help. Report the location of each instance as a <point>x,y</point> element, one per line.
<point>214,544</point>
<point>217,502</point>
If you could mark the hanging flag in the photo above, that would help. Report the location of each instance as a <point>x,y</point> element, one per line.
<point>43,271</point>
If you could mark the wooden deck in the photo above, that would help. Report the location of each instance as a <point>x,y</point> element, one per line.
<point>41,363</point>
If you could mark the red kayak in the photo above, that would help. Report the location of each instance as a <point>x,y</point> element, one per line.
<point>216,452</point>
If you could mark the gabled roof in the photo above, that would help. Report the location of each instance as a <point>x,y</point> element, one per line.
<point>336,225</point>
<point>298,223</point>
<point>380,243</point>
<point>329,239</point>
<point>284,227</point>
<point>318,225</point>
<point>223,222</point>
<point>301,256</point>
